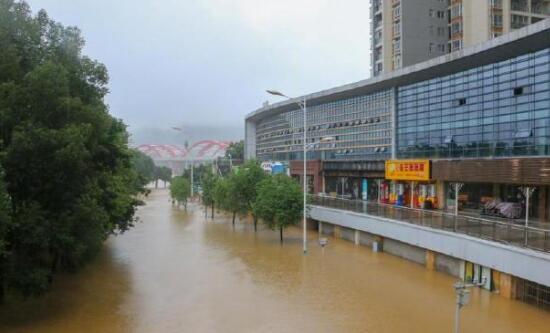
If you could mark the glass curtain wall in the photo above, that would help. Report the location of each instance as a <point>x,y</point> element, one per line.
<point>501,109</point>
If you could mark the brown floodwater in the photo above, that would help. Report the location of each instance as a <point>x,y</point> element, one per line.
<point>179,272</point>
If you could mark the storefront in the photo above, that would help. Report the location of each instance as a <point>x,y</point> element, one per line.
<point>411,184</point>
<point>314,176</point>
<point>353,180</point>
<point>496,187</point>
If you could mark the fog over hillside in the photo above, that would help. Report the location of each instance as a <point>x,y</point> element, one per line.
<point>179,135</point>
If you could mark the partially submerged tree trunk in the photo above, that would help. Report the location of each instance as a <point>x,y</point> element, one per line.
<point>212,210</point>
<point>281,234</point>
<point>234,214</point>
<point>255,222</point>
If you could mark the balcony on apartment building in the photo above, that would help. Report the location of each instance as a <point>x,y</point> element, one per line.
<point>376,6</point>
<point>541,7</point>
<point>520,5</point>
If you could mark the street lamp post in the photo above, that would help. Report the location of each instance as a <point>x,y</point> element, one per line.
<point>463,297</point>
<point>230,162</point>
<point>303,106</point>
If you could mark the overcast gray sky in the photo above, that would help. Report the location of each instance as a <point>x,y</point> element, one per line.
<point>208,62</point>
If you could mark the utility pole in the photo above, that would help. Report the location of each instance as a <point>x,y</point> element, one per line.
<point>463,298</point>
<point>192,179</point>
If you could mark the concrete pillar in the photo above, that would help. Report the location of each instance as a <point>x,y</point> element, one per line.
<point>357,235</point>
<point>320,228</point>
<point>505,285</point>
<point>430,260</point>
<point>441,196</point>
<point>462,270</point>
<point>378,244</point>
<point>337,233</point>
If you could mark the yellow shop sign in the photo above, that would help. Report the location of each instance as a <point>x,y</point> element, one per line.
<point>408,170</point>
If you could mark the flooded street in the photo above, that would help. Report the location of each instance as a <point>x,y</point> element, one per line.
<point>180,272</point>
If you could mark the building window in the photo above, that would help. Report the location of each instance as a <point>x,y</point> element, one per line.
<point>522,134</point>
<point>460,102</point>
<point>518,91</point>
<point>497,21</point>
<point>456,11</point>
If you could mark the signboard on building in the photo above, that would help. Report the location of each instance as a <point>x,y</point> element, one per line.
<point>266,166</point>
<point>274,168</point>
<point>408,169</point>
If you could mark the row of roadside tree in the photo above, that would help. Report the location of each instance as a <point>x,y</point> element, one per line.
<point>276,200</point>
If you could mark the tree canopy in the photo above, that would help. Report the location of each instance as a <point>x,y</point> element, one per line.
<point>246,184</point>
<point>180,190</point>
<point>235,150</point>
<point>208,183</point>
<point>279,202</point>
<point>67,167</point>
<point>144,166</point>
<point>162,173</point>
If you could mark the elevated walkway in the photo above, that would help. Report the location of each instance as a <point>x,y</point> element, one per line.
<point>504,246</point>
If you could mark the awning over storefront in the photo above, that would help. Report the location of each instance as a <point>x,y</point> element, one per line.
<point>520,171</point>
<point>360,169</point>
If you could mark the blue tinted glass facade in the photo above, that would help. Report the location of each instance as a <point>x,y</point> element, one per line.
<point>359,129</point>
<point>501,109</point>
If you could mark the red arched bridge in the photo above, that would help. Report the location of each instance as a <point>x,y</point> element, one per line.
<point>178,157</point>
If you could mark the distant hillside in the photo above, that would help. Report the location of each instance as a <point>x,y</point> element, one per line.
<point>190,134</point>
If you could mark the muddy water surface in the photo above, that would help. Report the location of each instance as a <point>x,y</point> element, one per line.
<point>179,272</point>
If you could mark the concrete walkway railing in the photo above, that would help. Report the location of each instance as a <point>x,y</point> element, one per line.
<point>505,232</point>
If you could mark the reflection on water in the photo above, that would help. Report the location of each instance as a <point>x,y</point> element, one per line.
<point>178,271</point>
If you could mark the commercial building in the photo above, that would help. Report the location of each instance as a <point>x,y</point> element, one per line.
<point>465,133</point>
<point>408,32</point>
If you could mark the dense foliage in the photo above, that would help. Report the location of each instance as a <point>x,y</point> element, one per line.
<point>279,202</point>
<point>208,183</point>
<point>144,166</point>
<point>68,172</point>
<point>246,184</point>
<point>276,200</point>
<point>180,190</point>
<point>235,150</point>
<point>162,173</point>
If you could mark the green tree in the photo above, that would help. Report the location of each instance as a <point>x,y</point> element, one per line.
<point>165,174</point>
<point>208,182</point>
<point>279,202</point>
<point>246,182</point>
<point>180,190</point>
<point>221,193</point>
<point>162,173</point>
<point>68,169</point>
<point>5,224</point>
<point>235,150</point>
<point>233,202</point>
<point>144,166</point>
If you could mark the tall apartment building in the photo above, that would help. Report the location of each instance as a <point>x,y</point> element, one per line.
<point>475,21</point>
<point>409,32</point>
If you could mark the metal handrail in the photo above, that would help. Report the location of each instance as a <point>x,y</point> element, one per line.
<point>435,212</point>
<point>509,233</point>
